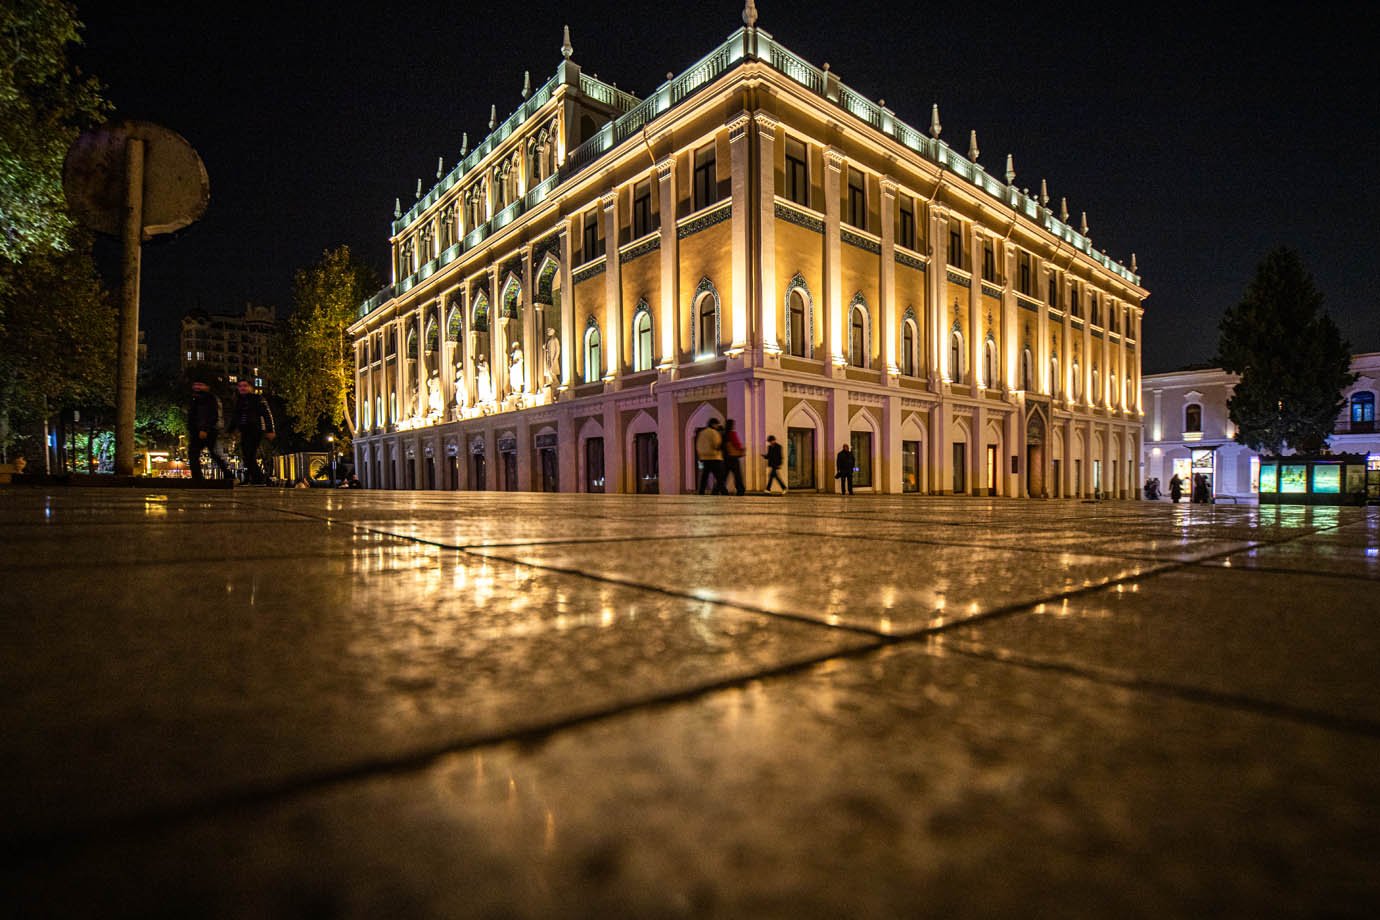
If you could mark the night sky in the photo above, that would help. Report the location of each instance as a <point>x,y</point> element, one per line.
<point>1194,138</point>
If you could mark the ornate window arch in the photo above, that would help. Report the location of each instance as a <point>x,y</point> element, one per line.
<point>956,355</point>
<point>642,337</point>
<point>479,321</point>
<point>1096,395</point>
<point>1193,418</point>
<point>455,321</point>
<point>510,305</point>
<point>989,363</point>
<point>1027,370</point>
<point>706,322</point>
<point>910,348</point>
<point>859,332</point>
<point>800,318</point>
<point>1077,380</point>
<point>593,351</point>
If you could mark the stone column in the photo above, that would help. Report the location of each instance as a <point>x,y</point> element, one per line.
<point>667,324</point>
<point>532,337</point>
<point>524,451</point>
<point>887,308</point>
<point>613,449</point>
<point>936,311</point>
<point>400,396</point>
<point>975,330</point>
<point>833,273</point>
<point>498,354</point>
<point>977,457</point>
<point>1012,333</point>
<point>613,298</point>
<point>836,432</point>
<point>941,452</point>
<point>568,331</point>
<point>740,233</point>
<point>1041,349</point>
<point>888,477</point>
<point>668,440</point>
<point>767,304</point>
<point>567,457</point>
<point>1066,359</point>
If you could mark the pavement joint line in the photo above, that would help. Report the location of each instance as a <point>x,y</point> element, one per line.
<point>1312,717</point>
<point>40,847</point>
<point>1281,570</point>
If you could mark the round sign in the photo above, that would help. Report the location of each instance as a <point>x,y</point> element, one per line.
<point>176,189</point>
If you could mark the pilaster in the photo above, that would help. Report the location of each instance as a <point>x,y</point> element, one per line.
<point>740,233</point>
<point>613,299</point>
<point>767,304</point>
<point>833,270</point>
<point>568,331</point>
<point>667,324</point>
<point>887,308</point>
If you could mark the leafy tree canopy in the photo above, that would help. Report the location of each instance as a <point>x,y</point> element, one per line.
<point>313,366</point>
<point>1291,358</point>
<point>44,104</point>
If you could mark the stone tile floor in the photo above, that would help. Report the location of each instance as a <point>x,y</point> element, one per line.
<point>268,703</point>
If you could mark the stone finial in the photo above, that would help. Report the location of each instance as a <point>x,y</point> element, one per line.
<point>419,188</point>
<point>972,146</point>
<point>1044,193</point>
<point>440,167</point>
<point>750,14</point>
<point>1010,169</point>
<point>526,83</point>
<point>566,50</point>
<point>1134,267</point>
<point>1064,210</point>
<point>935,126</point>
<point>1083,223</point>
<point>464,142</point>
<point>493,117</point>
<point>397,208</point>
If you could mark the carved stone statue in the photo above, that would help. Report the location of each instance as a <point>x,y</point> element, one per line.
<point>483,381</point>
<point>517,370</point>
<point>551,359</point>
<point>435,401</point>
<point>462,396</point>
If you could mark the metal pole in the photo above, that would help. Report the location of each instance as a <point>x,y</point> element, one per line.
<point>131,237</point>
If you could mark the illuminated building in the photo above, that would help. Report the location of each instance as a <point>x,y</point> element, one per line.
<point>1187,430</point>
<point>233,347</point>
<point>752,240</point>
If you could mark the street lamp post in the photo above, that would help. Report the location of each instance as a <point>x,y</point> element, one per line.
<point>330,439</point>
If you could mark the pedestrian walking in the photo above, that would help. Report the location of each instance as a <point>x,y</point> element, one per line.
<point>253,419</point>
<point>203,428</point>
<point>1176,488</point>
<point>773,458</point>
<point>843,470</point>
<point>733,458</point>
<point>1202,494</point>
<point>709,449</point>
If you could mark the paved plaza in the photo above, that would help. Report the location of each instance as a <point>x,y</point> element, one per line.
<point>264,703</point>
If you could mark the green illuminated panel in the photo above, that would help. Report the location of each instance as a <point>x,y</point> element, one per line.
<point>1327,479</point>
<point>1293,478</point>
<point>1268,478</point>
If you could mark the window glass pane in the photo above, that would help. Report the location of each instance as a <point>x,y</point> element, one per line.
<point>862,458</point>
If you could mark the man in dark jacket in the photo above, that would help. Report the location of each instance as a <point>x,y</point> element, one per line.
<point>253,419</point>
<point>843,470</point>
<point>773,458</point>
<point>203,426</point>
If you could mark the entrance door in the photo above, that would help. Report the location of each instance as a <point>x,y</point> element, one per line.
<point>645,464</point>
<point>431,472</point>
<point>800,458</point>
<point>1078,477</point>
<point>478,479</point>
<point>1058,490</point>
<point>992,470</point>
<point>550,471</point>
<point>453,471</point>
<point>594,465</point>
<point>410,472</point>
<point>1035,470</point>
<point>910,466</point>
<point>960,468</point>
<point>510,474</point>
<point>861,442</point>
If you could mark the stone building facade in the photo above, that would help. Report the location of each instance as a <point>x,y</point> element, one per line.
<point>753,240</point>
<point>231,346</point>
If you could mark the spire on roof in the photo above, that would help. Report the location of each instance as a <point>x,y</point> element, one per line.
<point>397,207</point>
<point>1134,267</point>
<point>464,142</point>
<point>1064,210</point>
<point>750,14</point>
<point>419,188</point>
<point>1083,223</point>
<point>935,126</point>
<point>1010,170</point>
<point>566,50</point>
<point>493,117</point>
<point>440,167</point>
<point>972,146</point>
<point>1044,193</point>
<point>526,83</point>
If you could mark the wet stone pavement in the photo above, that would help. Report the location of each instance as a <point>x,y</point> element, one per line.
<point>267,703</point>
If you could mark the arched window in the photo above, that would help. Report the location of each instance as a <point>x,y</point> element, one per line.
<point>642,339</point>
<point>1056,386</point>
<point>1193,418</point>
<point>433,339</point>
<point>956,357</point>
<point>1027,371</point>
<point>1077,381</point>
<point>1096,394</point>
<point>1129,397</point>
<point>706,315</point>
<point>454,324</point>
<point>857,336</point>
<point>593,355</point>
<point>908,348</point>
<point>412,344</point>
<point>1113,393</point>
<point>1362,408</point>
<point>795,323</point>
<point>989,364</point>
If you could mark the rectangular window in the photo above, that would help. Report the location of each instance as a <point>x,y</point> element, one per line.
<point>594,465</point>
<point>706,179</point>
<point>905,235</point>
<point>989,263</point>
<point>857,199</point>
<point>800,458</point>
<point>1074,306</point>
<point>797,173</point>
<point>956,247</point>
<point>591,241</point>
<point>1023,273</point>
<point>642,209</point>
<point>862,458</point>
<point>910,466</point>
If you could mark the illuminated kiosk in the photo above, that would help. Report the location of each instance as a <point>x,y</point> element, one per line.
<point>752,239</point>
<point>1336,479</point>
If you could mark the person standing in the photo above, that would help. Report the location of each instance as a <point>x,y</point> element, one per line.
<point>709,447</point>
<point>773,458</point>
<point>733,458</point>
<point>1176,488</point>
<point>843,470</point>
<point>203,427</point>
<point>253,419</point>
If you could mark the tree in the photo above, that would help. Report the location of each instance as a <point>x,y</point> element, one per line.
<point>313,364</point>
<point>1290,356</point>
<point>44,104</point>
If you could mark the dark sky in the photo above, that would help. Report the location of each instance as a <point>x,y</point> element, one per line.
<point>1194,137</point>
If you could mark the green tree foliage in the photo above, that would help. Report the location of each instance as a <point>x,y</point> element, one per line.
<point>313,364</point>
<point>1291,357</point>
<point>44,104</point>
<point>57,348</point>
<point>159,410</point>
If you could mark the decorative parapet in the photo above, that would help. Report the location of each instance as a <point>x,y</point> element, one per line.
<point>862,242</point>
<point>705,219</point>
<point>801,219</point>
<point>910,261</point>
<point>958,278</point>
